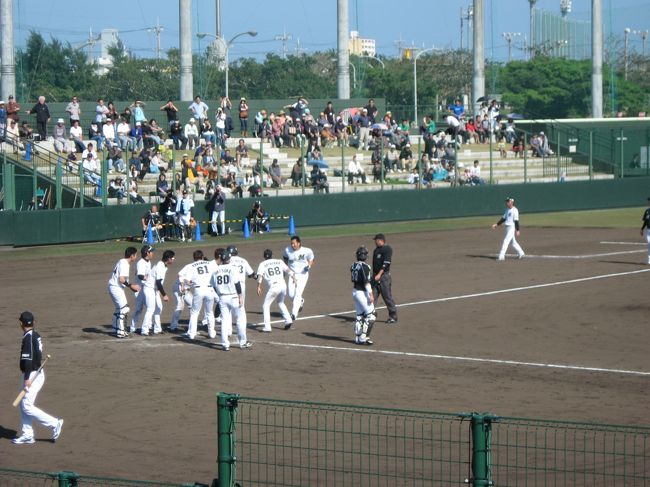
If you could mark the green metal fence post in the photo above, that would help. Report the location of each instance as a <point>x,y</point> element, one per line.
<point>343,168</point>
<point>9,182</point>
<point>591,154</point>
<point>525,158</point>
<point>491,162</point>
<point>559,175</point>
<point>381,161</point>
<point>104,175</point>
<point>226,411</point>
<point>67,479</point>
<point>262,178</point>
<point>81,184</point>
<point>303,179</point>
<point>59,186</point>
<point>622,155</point>
<point>481,433</point>
<point>34,182</point>
<point>419,162</point>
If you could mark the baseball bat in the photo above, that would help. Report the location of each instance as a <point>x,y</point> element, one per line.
<point>24,391</point>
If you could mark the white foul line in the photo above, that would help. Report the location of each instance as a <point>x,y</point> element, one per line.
<point>586,256</point>
<point>467,359</point>
<point>622,243</point>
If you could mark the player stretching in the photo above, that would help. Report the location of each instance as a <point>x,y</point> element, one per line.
<point>116,284</point>
<point>227,285</point>
<point>159,272</point>
<point>510,219</point>
<point>361,275</point>
<point>273,271</point>
<point>299,259</point>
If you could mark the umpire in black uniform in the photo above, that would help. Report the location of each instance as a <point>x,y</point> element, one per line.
<point>382,281</point>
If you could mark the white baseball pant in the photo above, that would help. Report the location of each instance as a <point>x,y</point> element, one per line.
<point>275,293</point>
<point>182,300</point>
<point>202,296</point>
<point>510,238</point>
<point>118,296</point>
<point>647,237</point>
<point>149,308</point>
<point>28,409</point>
<point>229,306</point>
<point>295,290</point>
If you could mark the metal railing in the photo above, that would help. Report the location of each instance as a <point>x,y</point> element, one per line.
<point>24,478</point>
<point>293,443</point>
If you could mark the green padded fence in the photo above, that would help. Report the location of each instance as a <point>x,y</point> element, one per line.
<point>292,443</point>
<point>23,478</point>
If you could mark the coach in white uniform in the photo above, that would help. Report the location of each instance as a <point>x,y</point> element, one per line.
<point>226,283</point>
<point>159,273</point>
<point>272,271</point>
<point>118,281</point>
<point>198,279</point>
<point>299,259</point>
<point>146,298</point>
<point>510,219</point>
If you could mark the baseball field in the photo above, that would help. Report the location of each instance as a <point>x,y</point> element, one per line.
<point>561,334</point>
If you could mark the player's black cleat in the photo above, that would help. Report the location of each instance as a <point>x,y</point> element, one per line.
<point>391,321</point>
<point>287,326</point>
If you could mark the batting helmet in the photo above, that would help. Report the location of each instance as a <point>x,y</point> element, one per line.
<point>232,249</point>
<point>225,256</point>
<point>268,253</point>
<point>362,253</point>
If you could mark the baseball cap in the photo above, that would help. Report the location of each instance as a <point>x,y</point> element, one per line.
<point>509,198</point>
<point>147,248</point>
<point>60,120</point>
<point>2,102</point>
<point>380,236</point>
<point>26,318</point>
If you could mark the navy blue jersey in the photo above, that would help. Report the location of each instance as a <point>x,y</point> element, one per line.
<point>31,353</point>
<point>360,274</point>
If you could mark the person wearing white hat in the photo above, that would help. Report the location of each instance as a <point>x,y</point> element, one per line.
<point>60,135</point>
<point>510,219</point>
<point>191,132</point>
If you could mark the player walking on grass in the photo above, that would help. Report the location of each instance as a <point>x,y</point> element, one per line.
<point>31,355</point>
<point>116,284</point>
<point>272,271</point>
<point>510,219</point>
<point>646,227</point>
<point>159,273</point>
<point>382,282</point>
<point>361,276</point>
<point>146,298</point>
<point>226,283</point>
<point>299,259</point>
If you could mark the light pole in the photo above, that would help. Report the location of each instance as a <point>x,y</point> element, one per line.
<point>415,82</point>
<point>226,47</point>
<point>509,37</point>
<point>644,36</point>
<point>626,33</point>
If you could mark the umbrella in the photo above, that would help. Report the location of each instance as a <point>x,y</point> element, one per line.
<point>482,98</point>
<point>318,162</point>
<point>379,126</point>
<point>516,116</point>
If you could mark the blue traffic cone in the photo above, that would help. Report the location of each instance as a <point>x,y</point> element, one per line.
<point>268,223</point>
<point>247,231</point>
<point>149,234</point>
<point>28,151</point>
<point>197,232</point>
<point>292,226</point>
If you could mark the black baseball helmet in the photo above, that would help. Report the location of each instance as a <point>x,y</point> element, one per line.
<point>232,249</point>
<point>268,253</point>
<point>224,256</point>
<point>362,253</point>
<point>145,250</point>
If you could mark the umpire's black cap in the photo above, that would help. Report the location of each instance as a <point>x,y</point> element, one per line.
<point>380,236</point>
<point>26,318</point>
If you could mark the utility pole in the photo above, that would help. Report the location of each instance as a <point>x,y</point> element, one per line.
<point>478,78</point>
<point>626,34</point>
<point>532,28</point>
<point>509,36</point>
<point>343,61</point>
<point>218,11</point>
<point>157,30</point>
<point>8,67</point>
<point>596,59</point>
<point>185,28</point>
<point>284,38</point>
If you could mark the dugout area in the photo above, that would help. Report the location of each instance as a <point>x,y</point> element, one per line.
<point>473,335</point>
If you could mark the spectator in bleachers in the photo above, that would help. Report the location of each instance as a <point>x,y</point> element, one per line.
<point>60,136</point>
<point>162,186</point>
<point>115,160</point>
<point>259,120</point>
<point>43,117</point>
<point>355,171</point>
<point>341,132</point>
<point>95,134</point>
<point>124,139</point>
<point>112,112</point>
<point>207,132</point>
<point>289,133</point>
<point>220,128</point>
<point>13,135</point>
<point>470,131</point>
<point>134,196</point>
<point>510,131</point>
<point>276,174</point>
<point>414,177</point>
<point>475,174</point>
<point>241,152</point>
<point>101,113</point>
<point>518,146</point>
<point>73,110</point>
<point>199,110</point>
<point>172,112</point>
<point>406,156</point>
<point>108,132</point>
<point>535,146</point>
<point>457,109</point>
<point>176,132</point>
<point>127,115</point>
<point>116,189</point>
<point>243,117</point>
<point>25,132</point>
<point>13,109</point>
<point>76,136</point>
<point>226,106</point>
<point>363,124</point>
<point>138,112</point>
<point>319,180</point>
<point>157,134</point>
<point>137,136</point>
<point>191,133</point>
<point>372,110</point>
<point>296,173</point>
<point>90,169</point>
<point>544,146</point>
<point>392,161</point>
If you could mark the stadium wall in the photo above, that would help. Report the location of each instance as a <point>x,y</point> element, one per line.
<point>105,223</point>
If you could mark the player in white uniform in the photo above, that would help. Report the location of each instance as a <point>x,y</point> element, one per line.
<point>245,270</point>
<point>118,281</point>
<point>510,219</point>
<point>159,273</point>
<point>183,296</point>
<point>217,312</point>
<point>227,285</point>
<point>299,259</point>
<point>184,211</point>
<point>361,276</point>
<point>272,271</point>
<point>198,278</point>
<point>146,298</point>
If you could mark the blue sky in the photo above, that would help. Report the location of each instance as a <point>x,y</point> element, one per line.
<point>423,23</point>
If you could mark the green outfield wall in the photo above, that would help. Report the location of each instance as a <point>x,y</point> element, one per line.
<point>105,223</point>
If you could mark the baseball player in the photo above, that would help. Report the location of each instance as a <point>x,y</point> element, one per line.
<point>146,298</point>
<point>182,294</point>
<point>510,219</point>
<point>245,270</point>
<point>361,276</point>
<point>646,227</point>
<point>31,354</point>
<point>217,311</point>
<point>118,281</point>
<point>226,283</point>
<point>198,278</point>
<point>299,259</point>
<point>382,282</point>
<point>184,211</point>
<point>159,273</point>
<point>272,271</point>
